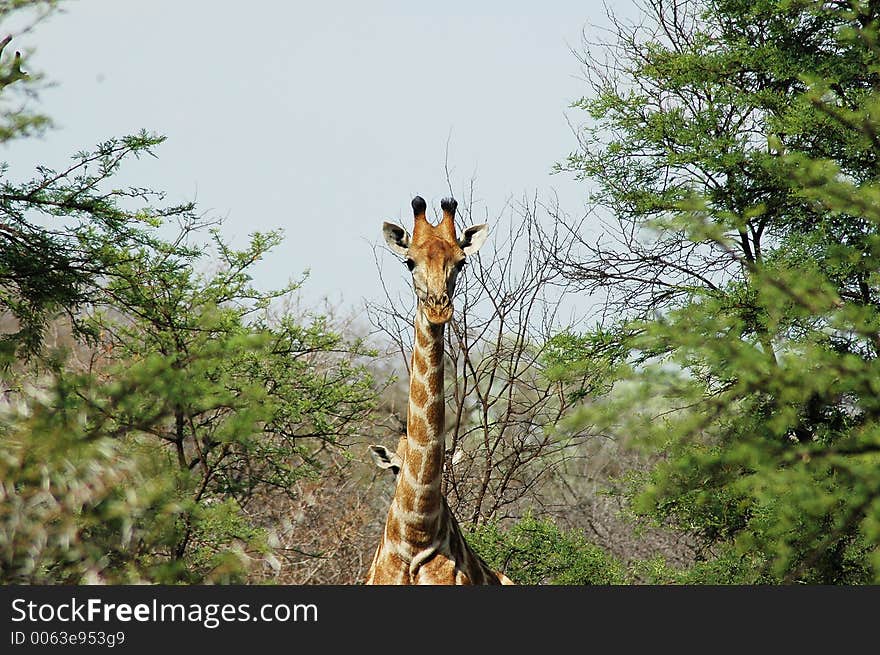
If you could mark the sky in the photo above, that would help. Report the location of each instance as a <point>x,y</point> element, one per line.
<point>323,119</point>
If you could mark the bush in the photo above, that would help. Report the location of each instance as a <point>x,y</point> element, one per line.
<point>535,551</point>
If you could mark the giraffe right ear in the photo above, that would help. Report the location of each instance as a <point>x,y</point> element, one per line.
<point>473,238</point>
<point>385,459</point>
<point>396,237</point>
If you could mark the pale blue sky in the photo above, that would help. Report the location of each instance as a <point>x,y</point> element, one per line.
<point>323,119</point>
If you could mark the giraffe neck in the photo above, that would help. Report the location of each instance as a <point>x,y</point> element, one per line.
<point>418,499</point>
<point>422,542</point>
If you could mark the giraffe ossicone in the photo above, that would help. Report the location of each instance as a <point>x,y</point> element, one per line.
<point>422,542</point>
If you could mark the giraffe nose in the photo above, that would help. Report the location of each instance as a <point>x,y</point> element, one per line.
<point>438,300</point>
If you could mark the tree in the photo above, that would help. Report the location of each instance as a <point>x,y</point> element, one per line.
<point>150,462</point>
<point>250,393</point>
<point>734,144</point>
<point>63,231</point>
<point>503,405</point>
<point>144,449</point>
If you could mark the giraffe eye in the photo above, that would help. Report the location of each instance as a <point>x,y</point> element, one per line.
<point>410,264</point>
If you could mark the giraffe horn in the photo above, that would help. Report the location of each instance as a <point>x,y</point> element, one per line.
<point>419,206</point>
<point>449,205</point>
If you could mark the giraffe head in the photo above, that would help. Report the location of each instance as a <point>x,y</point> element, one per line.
<point>434,256</point>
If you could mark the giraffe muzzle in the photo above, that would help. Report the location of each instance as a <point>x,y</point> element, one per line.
<point>438,301</point>
<point>438,307</point>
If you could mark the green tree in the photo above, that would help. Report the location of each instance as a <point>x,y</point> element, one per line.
<point>143,449</point>
<point>249,392</point>
<point>63,231</point>
<point>735,143</point>
<point>152,465</point>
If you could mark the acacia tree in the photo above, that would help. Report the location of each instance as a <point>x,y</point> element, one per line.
<point>63,231</point>
<point>252,392</point>
<point>733,145</point>
<point>145,451</point>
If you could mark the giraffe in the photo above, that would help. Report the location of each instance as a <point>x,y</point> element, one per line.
<point>422,542</point>
<point>384,459</point>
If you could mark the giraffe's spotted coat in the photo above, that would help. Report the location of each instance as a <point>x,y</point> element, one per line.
<point>422,542</point>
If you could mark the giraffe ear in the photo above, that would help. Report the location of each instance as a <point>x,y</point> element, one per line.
<point>473,238</point>
<point>385,459</point>
<point>396,237</point>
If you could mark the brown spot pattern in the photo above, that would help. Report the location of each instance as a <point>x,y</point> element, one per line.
<point>419,520</point>
<point>418,393</point>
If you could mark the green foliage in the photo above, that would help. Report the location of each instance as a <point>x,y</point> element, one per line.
<point>205,400</point>
<point>246,382</point>
<point>17,82</point>
<point>82,501</point>
<point>188,396</point>
<point>756,363</point>
<point>65,230</point>
<point>590,358</point>
<point>535,551</point>
<point>61,481</point>
<point>726,567</point>
<point>65,233</point>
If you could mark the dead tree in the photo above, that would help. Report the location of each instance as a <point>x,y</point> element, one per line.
<point>504,432</point>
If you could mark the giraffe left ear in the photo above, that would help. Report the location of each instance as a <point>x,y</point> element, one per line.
<point>473,238</point>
